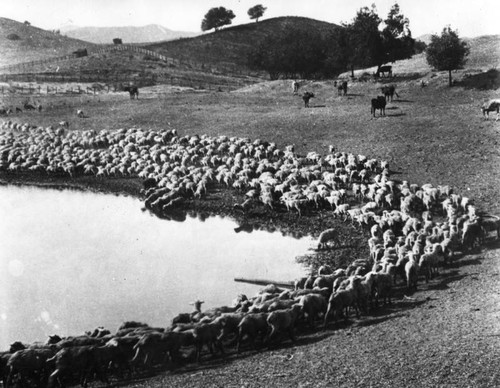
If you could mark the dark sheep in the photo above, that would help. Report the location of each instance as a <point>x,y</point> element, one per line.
<point>251,326</point>
<point>31,364</point>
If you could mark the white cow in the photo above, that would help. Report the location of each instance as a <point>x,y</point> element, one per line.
<point>491,106</point>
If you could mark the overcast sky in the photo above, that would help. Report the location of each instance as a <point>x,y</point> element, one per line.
<point>469,18</point>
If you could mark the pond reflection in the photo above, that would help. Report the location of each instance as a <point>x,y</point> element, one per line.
<point>71,261</point>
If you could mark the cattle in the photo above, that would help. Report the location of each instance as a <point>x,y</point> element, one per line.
<point>491,106</point>
<point>133,91</point>
<point>306,97</point>
<point>295,87</point>
<point>378,103</point>
<point>389,91</point>
<point>384,70</point>
<point>342,88</point>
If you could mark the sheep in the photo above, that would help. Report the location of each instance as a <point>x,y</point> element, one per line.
<point>382,285</point>
<point>340,300</point>
<point>80,360</point>
<point>378,103</point>
<point>31,363</point>
<point>411,271</point>
<point>153,348</point>
<point>283,320</point>
<point>80,113</point>
<point>491,106</point>
<point>229,323</point>
<point>312,306</point>
<point>327,236</point>
<point>207,334</point>
<point>251,326</point>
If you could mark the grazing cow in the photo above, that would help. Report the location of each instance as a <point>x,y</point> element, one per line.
<point>306,97</point>
<point>18,110</point>
<point>389,91</point>
<point>133,91</point>
<point>342,88</point>
<point>384,70</point>
<point>378,103</point>
<point>491,106</point>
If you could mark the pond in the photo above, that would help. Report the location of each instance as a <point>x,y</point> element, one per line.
<point>71,261</point>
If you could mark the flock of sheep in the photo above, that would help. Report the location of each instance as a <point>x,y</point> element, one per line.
<point>414,230</point>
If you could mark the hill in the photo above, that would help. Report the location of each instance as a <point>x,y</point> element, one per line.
<point>22,43</point>
<point>130,34</point>
<point>230,46</point>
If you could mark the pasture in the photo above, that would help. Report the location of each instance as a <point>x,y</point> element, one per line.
<point>446,333</point>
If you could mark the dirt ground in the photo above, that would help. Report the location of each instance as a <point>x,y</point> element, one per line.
<point>444,335</point>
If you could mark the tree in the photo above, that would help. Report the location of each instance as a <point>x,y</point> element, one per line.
<point>368,45</point>
<point>216,18</point>
<point>256,12</point>
<point>396,37</point>
<point>365,41</point>
<point>447,52</point>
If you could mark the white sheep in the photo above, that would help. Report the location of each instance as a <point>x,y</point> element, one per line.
<point>284,320</point>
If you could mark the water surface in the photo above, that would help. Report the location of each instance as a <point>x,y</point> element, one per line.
<point>71,261</point>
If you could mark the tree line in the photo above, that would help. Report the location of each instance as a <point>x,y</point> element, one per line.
<point>366,41</point>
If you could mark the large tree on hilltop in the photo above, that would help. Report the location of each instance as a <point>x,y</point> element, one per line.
<point>216,18</point>
<point>256,12</point>
<point>447,52</point>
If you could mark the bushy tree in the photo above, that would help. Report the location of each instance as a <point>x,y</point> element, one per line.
<point>216,18</point>
<point>364,37</point>
<point>369,46</point>
<point>447,52</point>
<point>256,12</point>
<point>396,37</point>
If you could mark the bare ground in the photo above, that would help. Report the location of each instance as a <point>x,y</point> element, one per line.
<point>447,334</point>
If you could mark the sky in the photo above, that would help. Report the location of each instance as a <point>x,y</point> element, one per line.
<point>468,18</point>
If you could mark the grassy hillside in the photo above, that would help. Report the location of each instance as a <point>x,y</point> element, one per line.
<point>230,46</point>
<point>33,43</point>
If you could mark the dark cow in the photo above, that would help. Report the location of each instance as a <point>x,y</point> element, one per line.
<point>389,91</point>
<point>491,106</point>
<point>133,91</point>
<point>383,70</point>
<point>342,88</point>
<point>29,106</point>
<point>306,97</point>
<point>378,103</point>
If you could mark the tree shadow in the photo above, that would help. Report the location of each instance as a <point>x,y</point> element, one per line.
<point>396,114</point>
<point>317,106</point>
<point>401,100</point>
<point>489,80</point>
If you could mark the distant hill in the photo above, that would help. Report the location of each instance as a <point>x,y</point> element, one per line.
<point>230,46</point>
<point>22,43</point>
<point>144,34</point>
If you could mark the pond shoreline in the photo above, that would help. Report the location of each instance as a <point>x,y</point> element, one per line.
<point>220,202</point>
